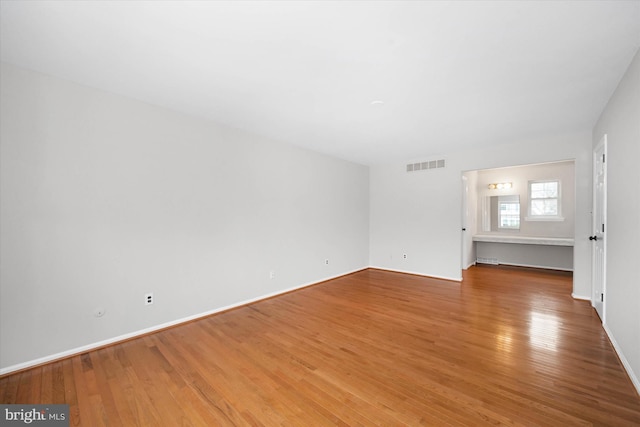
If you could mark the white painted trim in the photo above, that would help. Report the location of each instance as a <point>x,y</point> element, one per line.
<point>124,337</point>
<point>453,279</point>
<point>625,362</point>
<point>594,298</point>
<point>524,240</point>
<point>471,264</point>
<point>580,297</point>
<point>544,218</point>
<point>542,267</point>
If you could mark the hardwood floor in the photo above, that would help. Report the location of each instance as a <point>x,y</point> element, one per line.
<point>507,346</point>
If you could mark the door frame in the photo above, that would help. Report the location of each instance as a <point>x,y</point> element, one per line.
<point>464,261</point>
<point>596,290</point>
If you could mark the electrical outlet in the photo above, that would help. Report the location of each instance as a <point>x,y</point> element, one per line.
<point>326,261</point>
<point>272,274</point>
<point>148,298</point>
<point>404,256</point>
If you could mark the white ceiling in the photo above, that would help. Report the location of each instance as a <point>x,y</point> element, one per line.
<point>452,75</point>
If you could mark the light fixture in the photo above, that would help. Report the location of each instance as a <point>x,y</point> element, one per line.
<point>377,102</point>
<point>501,186</point>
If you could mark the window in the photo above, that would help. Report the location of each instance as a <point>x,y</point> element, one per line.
<point>509,212</point>
<point>544,201</point>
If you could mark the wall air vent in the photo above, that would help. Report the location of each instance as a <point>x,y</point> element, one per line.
<point>431,164</point>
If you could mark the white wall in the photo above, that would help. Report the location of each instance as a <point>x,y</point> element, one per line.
<point>620,121</point>
<point>525,255</point>
<point>419,213</point>
<point>106,198</point>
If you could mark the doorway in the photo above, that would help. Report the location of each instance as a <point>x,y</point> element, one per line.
<point>520,215</point>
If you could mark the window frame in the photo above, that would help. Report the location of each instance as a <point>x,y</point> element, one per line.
<point>530,215</point>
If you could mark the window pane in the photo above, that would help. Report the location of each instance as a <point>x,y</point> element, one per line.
<point>510,208</point>
<point>509,215</point>
<point>543,190</point>
<point>509,222</point>
<point>544,207</point>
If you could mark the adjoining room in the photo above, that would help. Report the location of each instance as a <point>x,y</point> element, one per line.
<point>523,216</point>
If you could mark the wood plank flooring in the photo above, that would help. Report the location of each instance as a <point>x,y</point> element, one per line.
<point>506,346</point>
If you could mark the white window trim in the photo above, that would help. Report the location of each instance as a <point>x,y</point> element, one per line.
<point>544,218</point>
<point>557,217</point>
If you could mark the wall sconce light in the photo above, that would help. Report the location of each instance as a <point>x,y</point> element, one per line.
<point>501,186</point>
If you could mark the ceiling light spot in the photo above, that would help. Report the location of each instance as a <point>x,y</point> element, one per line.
<point>377,102</point>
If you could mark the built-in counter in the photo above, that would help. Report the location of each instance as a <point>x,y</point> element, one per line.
<point>542,252</point>
<point>524,240</point>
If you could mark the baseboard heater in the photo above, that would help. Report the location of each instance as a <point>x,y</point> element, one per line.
<point>492,261</point>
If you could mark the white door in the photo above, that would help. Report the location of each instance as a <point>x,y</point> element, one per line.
<point>465,191</point>
<point>598,239</point>
<point>465,262</point>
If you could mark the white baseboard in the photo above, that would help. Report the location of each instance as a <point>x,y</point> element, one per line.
<point>453,279</point>
<point>135,334</point>
<point>576,296</point>
<point>543,267</point>
<point>471,264</point>
<point>625,362</point>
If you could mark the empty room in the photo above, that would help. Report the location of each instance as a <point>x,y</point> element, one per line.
<point>319,213</point>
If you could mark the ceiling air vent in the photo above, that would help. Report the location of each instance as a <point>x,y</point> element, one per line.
<point>431,164</point>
